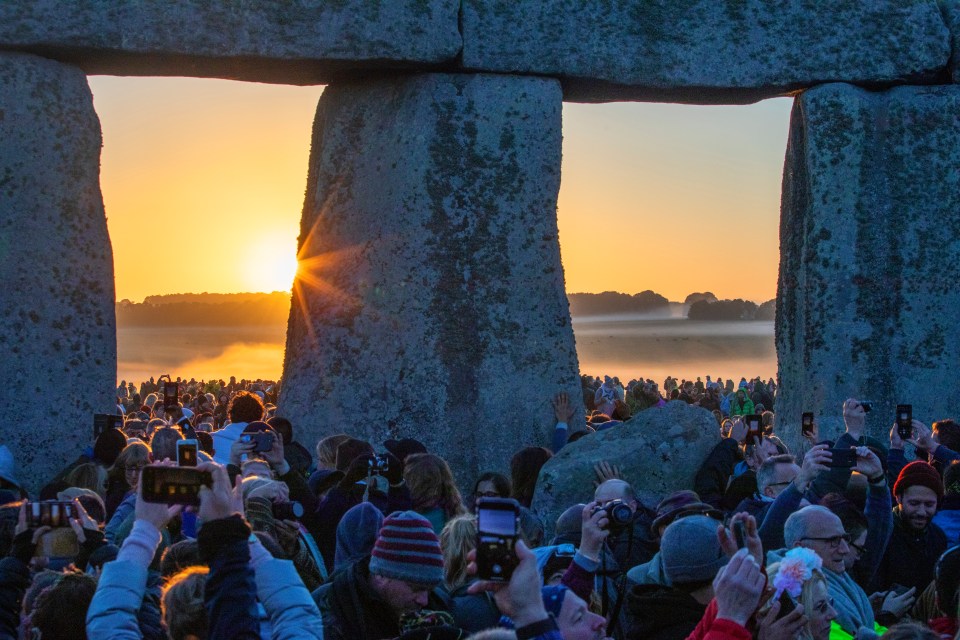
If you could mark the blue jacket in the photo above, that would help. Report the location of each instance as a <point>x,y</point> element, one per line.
<point>949,521</point>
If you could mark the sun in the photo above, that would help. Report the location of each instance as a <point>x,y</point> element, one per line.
<point>275,264</point>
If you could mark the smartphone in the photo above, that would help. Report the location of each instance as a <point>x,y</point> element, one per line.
<point>905,421</point>
<point>497,534</point>
<point>173,485</point>
<point>105,421</point>
<point>842,458</point>
<point>50,513</point>
<point>187,453</point>
<point>171,395</point>
<point>787,604</point>
<point>806,423</point>
<point>740,534</point>
<point>262,440</point>
<point>867,405</point>
<point>753,422</point>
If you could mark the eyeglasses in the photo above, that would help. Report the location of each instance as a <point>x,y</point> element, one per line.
<point>488,494</point>
<point>823,606</point>
<point>832,541</point>
<point>856,547</point>
<point>135,467</point>
<point>779,484</point>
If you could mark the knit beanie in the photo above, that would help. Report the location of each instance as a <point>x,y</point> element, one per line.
<point>919,473</point>
<point>553,599</point>
<point>690,551</point>
<point>407,549</point>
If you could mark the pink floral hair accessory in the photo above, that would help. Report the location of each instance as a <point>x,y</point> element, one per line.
<point>796,568</point>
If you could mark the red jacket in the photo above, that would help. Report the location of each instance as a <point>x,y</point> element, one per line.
<point>711,628</point>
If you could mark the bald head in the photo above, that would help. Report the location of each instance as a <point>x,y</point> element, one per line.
<point>615,490</point>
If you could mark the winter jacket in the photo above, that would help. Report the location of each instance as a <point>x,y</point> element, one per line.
<point>948,519</point>
<point>756,506</point>
<point>230,595</point>
<point>121,513</point>
<point>655,612</point>
<point>738,408</point>
<point>910,556</point>
<point>712,628</point>
<point>711,480</point>
<point>353,610</point>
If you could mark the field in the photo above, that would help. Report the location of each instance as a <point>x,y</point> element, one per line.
<point>615,345</point>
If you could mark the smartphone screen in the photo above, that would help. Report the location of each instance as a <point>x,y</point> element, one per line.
<point>173,485</point>
<point>905,421</point>
<point>498,522</point>
<point>496,536</point>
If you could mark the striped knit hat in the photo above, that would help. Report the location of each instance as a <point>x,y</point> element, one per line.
<point>407,549</point>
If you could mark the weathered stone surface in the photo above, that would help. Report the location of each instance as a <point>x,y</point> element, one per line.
<point>57,326</point>
<point>869,240</point>
<point>430,300</point>
<point>658,451</point>
<point>705,50</point>
<point>300,42</point>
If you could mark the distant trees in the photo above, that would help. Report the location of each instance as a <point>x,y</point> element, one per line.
<point>203,309</point>
<point>731,310</point>
<point>611,302</point>
<point>697,297</point>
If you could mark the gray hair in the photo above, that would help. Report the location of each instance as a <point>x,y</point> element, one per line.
<point>768,470</point>
<point>795,528</point>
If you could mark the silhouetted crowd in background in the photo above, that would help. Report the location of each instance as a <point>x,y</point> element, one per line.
<point>345,538</point>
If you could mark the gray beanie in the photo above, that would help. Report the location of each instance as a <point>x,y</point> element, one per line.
<point>690,551</point>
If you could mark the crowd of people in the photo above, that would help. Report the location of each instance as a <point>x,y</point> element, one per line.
<point>350,539</point>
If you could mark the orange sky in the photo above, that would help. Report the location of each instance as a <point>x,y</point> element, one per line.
<point>203,184</point>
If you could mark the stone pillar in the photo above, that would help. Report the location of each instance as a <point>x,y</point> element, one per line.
<point>867,305</point>
<point>57,322</point>
<point>430,300</point>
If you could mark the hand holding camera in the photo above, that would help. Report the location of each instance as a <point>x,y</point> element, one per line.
<point>594,530</point>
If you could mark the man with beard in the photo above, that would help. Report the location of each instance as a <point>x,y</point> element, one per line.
<point>916,543</point>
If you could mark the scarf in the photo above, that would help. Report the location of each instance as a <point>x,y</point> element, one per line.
<point>850,600</point>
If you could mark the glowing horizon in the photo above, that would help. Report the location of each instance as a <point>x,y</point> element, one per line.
<point>203,185</point>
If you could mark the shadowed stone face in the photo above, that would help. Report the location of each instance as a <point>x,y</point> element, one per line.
<point>57,327</point>
<point>430,301</point>
<point>867,302</point>
<point>658,451</point>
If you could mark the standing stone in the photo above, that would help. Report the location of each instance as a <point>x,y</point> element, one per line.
<point>57,324</point>
<point>658,451</point>
<point>430,299</point>
<point>867,303</point>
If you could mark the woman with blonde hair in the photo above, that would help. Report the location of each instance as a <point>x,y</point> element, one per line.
<point>458,538</point>
<point>124,475</point>
<point>800,577</point>
<point>88,476</point>
<point>432,489</point>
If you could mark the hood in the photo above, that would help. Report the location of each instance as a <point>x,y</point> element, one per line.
<point>356,533</point>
